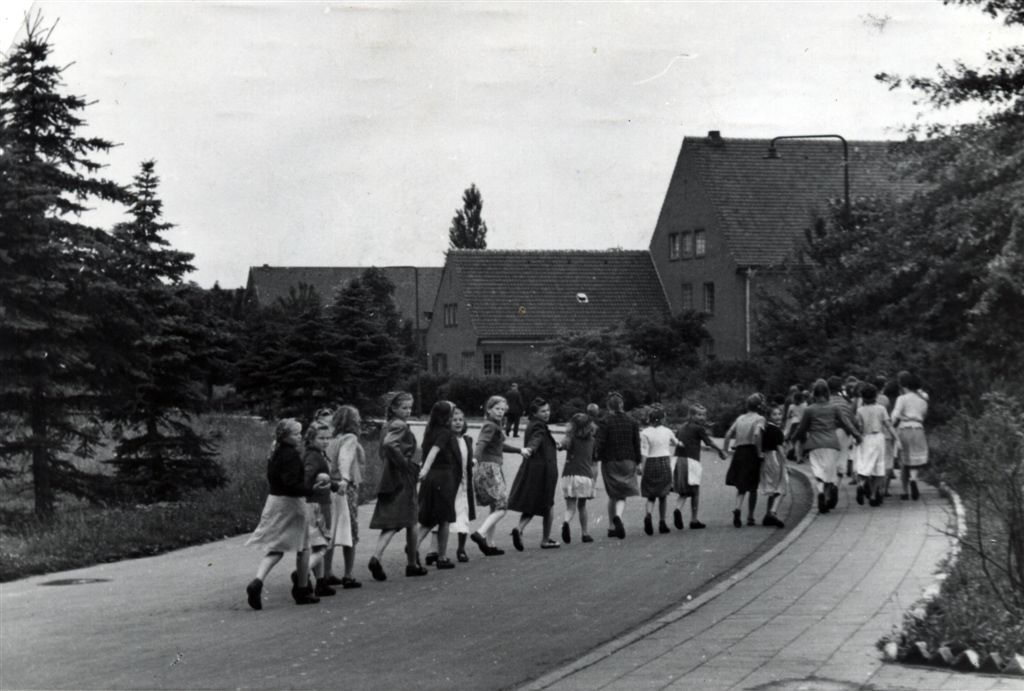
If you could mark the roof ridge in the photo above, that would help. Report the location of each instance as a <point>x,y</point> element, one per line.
<point>703,138</point>
<point>547,252</point>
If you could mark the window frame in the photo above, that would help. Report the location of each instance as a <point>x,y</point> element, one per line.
<point>673,247</point>
<point>708,302</point>
<point>686,296</point>
<point>700,242</point>
<point>493,363</point>
<point>686,245</point>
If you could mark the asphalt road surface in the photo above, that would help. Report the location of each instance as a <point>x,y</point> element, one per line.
<point>181,620</point>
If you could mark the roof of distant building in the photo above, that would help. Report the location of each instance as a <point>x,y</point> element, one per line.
<point>538,294</point>
<point>765,204</point>
<point>267,284</point>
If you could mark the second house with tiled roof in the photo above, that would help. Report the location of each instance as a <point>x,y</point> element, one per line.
<point>496,311</point>
<point>737,209</point>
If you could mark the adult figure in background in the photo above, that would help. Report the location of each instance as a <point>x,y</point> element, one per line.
<point>817,434</point>
<point>514,399</point>
<point>908,415</point>
<point>618,451</point>
<point>533,490</point>
<point>283,526</point>
<point>396,493</point>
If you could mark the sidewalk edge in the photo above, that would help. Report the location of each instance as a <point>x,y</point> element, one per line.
<point>610,648</point>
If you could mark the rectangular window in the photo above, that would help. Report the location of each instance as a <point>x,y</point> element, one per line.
<point>468,356</point>
<point>440,363</point>
<point>687,303</point>
<point>687,248</point>
<point>673,246</point>
<point>700,243</point>
<point>450,313</point>
<point>709,298</point>
<point>709,348</point>
<point>492,363</point>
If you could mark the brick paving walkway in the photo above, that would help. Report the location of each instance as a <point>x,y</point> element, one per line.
<point>807,617</point>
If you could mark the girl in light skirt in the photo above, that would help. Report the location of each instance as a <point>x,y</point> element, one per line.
<point>283,526</point>
<point>347,458</point>
<point>579,474</point>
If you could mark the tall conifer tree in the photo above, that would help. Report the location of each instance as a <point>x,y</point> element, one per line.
<point>55,358</point>
<point>161,455</point>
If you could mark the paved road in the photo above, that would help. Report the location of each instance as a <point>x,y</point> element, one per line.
<point>181,621</point>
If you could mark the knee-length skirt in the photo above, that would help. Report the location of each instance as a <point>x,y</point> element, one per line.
<point>437,497</point>
<point>282,526</point>
<point>318,521</point>
<point>870,458</point>
<point>774,478</point>
<point>345,517</point>
<point>656,481</point>
<point>533,490</point>
<point>745,469</point>
<point>398,510</point>
<point>686,476</point>
<point>619,479</point>
<point>823,464</point>
<point>915,447</point>
<point>577,487</point>
<point>489,488</point>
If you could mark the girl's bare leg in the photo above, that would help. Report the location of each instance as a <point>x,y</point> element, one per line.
<point>267,563</point>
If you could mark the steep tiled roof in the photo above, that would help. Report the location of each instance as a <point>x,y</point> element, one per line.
<point>269,283</point>
<point>533,294</point>
<point>764,205</point>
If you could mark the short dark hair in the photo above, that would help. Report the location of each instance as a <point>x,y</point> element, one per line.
<point>869,392</point>
<point>835,384</point>
<point>536,404</point>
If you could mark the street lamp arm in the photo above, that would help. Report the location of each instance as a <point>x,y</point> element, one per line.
<point>773,154</point>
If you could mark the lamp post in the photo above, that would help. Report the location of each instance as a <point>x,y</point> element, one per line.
<point>773,154</point>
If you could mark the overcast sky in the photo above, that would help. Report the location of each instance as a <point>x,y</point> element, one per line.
<point>324,133</point>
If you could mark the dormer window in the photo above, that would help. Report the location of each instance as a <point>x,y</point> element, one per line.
<point>582,298</point>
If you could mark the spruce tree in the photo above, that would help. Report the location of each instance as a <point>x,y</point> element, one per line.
<point>160,456</point>
<point>367,359</point>
<point>57,361</point>
<point>468,229</point>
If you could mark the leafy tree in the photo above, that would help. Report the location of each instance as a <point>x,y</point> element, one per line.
<point>58,361</point>
<point>670,342</point>
<point>468,229</point>
<point>161,456</point>
<point>932,281</point>
<point>587,358</point>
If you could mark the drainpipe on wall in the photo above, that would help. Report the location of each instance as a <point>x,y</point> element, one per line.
<point>748,273</point>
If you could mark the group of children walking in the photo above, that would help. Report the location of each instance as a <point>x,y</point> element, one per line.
<point>426,489</point>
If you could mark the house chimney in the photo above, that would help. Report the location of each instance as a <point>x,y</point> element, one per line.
<point>715,138</point>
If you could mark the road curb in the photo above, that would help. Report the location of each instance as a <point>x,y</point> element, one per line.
<point>608,649</point>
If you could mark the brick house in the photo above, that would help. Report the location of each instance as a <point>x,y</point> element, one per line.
<point>732,216</point>
<point>415,286</point>
<point>496,310</point>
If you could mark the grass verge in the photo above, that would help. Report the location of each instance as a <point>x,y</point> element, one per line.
<point>81,534</point>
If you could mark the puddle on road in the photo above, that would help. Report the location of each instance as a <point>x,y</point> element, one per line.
<point>76,581</point>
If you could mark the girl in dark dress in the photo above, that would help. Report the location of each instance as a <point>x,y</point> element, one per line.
<point>533,491</point>
<point>396,493</point>
<point>439,479</point>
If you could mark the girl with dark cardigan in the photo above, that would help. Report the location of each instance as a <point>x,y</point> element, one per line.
<point>533,491</point>
<point>283,526</point>
<point>439,479</point>
<point>396,493</point>
<point>745,468</point>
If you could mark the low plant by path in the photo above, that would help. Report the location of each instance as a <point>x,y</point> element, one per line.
<point>81,534</point>
<point>980,604</point>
